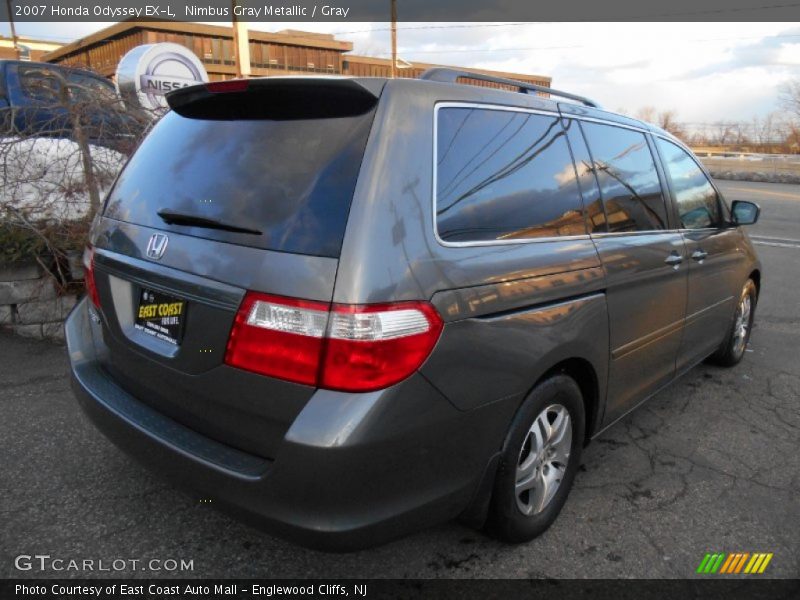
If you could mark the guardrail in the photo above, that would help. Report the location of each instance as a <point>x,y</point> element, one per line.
<point>776,164</point>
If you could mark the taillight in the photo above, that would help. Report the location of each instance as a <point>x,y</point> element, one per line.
<point>88,276</point>
<point>341,347</point>
<point>277,336</point>
<point>373,347</point>
<point>228,86</point>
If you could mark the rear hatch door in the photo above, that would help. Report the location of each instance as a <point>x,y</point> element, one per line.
<point>244,186</point>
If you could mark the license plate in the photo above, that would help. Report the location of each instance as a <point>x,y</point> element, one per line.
<point>160,315</point>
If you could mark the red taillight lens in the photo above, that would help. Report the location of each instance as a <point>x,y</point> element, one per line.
<point>373,347</point>
<point>351,348</point>
<point>228,86</point>
<point>279,337</point>
<point>88,276</point>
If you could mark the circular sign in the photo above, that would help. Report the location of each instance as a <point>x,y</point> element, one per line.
<point>148,72</point>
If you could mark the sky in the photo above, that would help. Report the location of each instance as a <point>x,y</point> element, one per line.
<point>705,72</point>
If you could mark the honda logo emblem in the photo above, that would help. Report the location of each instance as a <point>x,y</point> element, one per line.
<point>157,246</point>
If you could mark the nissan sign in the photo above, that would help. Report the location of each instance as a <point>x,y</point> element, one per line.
<point>148,72</point>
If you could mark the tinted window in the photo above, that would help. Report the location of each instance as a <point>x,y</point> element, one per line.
<point>504,175</point>
<point>85,88</point>
<point>595,215</point>
<point>39,83</point>
<point>291,180</point>
<point>628,178</point>
<point>698,205</point>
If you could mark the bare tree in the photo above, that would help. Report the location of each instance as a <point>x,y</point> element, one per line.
<point>789,97</point>
<point>776,132</point>
<point>57,159</point>
<point>668,121</point>
<point>647,114</point>
<point>699,137</point>
<point>70,97</point>
<point>765,132</point>
<point>725,133</point>
<point>792,137</point>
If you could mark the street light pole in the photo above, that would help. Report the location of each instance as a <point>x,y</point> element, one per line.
<point>14,39</point>
<point>241,45</point>
<point>394,39</point>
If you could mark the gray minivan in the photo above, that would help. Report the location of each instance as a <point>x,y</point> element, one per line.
<point>351,308</point>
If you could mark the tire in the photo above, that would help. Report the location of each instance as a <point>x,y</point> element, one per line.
<point>520,517</point>
<point>731,351</point>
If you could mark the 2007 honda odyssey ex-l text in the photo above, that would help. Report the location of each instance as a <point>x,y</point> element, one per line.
<point>351,308</point>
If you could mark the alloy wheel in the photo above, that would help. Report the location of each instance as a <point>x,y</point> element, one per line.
<point>742,325</point>
<point>543,459</point>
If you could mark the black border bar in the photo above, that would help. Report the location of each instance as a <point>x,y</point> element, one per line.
<point>748,587</point>
<point>407,10</point>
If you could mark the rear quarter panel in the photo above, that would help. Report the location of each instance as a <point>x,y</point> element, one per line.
<point>512,311</point>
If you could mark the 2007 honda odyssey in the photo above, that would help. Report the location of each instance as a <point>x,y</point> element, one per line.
<point>351,308</point>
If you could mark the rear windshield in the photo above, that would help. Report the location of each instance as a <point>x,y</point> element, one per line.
<point>290,181</point>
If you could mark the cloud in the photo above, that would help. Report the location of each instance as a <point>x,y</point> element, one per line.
<point>697,69</point>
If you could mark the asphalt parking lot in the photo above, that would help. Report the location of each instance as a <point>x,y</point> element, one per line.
<point>710,464</point>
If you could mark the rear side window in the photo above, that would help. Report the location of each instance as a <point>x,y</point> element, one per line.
<point>595,215</point>
<point>39,83</point>
<point>628,178</point>
<point>504,175</point>
<point>698,203</point>
<point>86,88</point>
<point>289,183</point>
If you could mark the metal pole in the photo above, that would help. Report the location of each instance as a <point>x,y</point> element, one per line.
<point>237,63</point>
<point>394,39</point>
<point>13,29</point>
<point>241,45</point>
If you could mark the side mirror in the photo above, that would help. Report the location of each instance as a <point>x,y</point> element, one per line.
<point>744,212</point>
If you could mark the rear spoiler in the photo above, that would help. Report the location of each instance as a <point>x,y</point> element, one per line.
<point>277,98</point>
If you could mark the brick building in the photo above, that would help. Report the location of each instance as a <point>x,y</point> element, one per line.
<point>30,48</point>
<point>286,52</point>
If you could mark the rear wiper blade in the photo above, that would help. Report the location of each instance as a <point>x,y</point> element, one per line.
<point>176,218</point>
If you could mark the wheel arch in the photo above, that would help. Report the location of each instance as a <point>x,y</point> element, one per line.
<point>755,275</point>
<point>585,375</point>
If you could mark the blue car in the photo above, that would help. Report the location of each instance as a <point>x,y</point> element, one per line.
<point>31,103</point>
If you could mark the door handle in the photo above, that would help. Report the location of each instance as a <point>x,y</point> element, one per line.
<point>699,255</point>
<point>674,260</point>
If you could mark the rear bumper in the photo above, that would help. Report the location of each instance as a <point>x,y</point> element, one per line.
<point>354,470</point>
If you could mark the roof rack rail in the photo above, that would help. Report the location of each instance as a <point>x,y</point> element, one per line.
<point>447,75</point>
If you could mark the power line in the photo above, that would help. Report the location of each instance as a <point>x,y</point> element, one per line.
<point>467,26</point>
<point>304,35</point>
<point>578,46</point>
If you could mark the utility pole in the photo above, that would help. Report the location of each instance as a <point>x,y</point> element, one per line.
<point>241,45</point>
<point>14,39</point>
<point>394,39</point>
